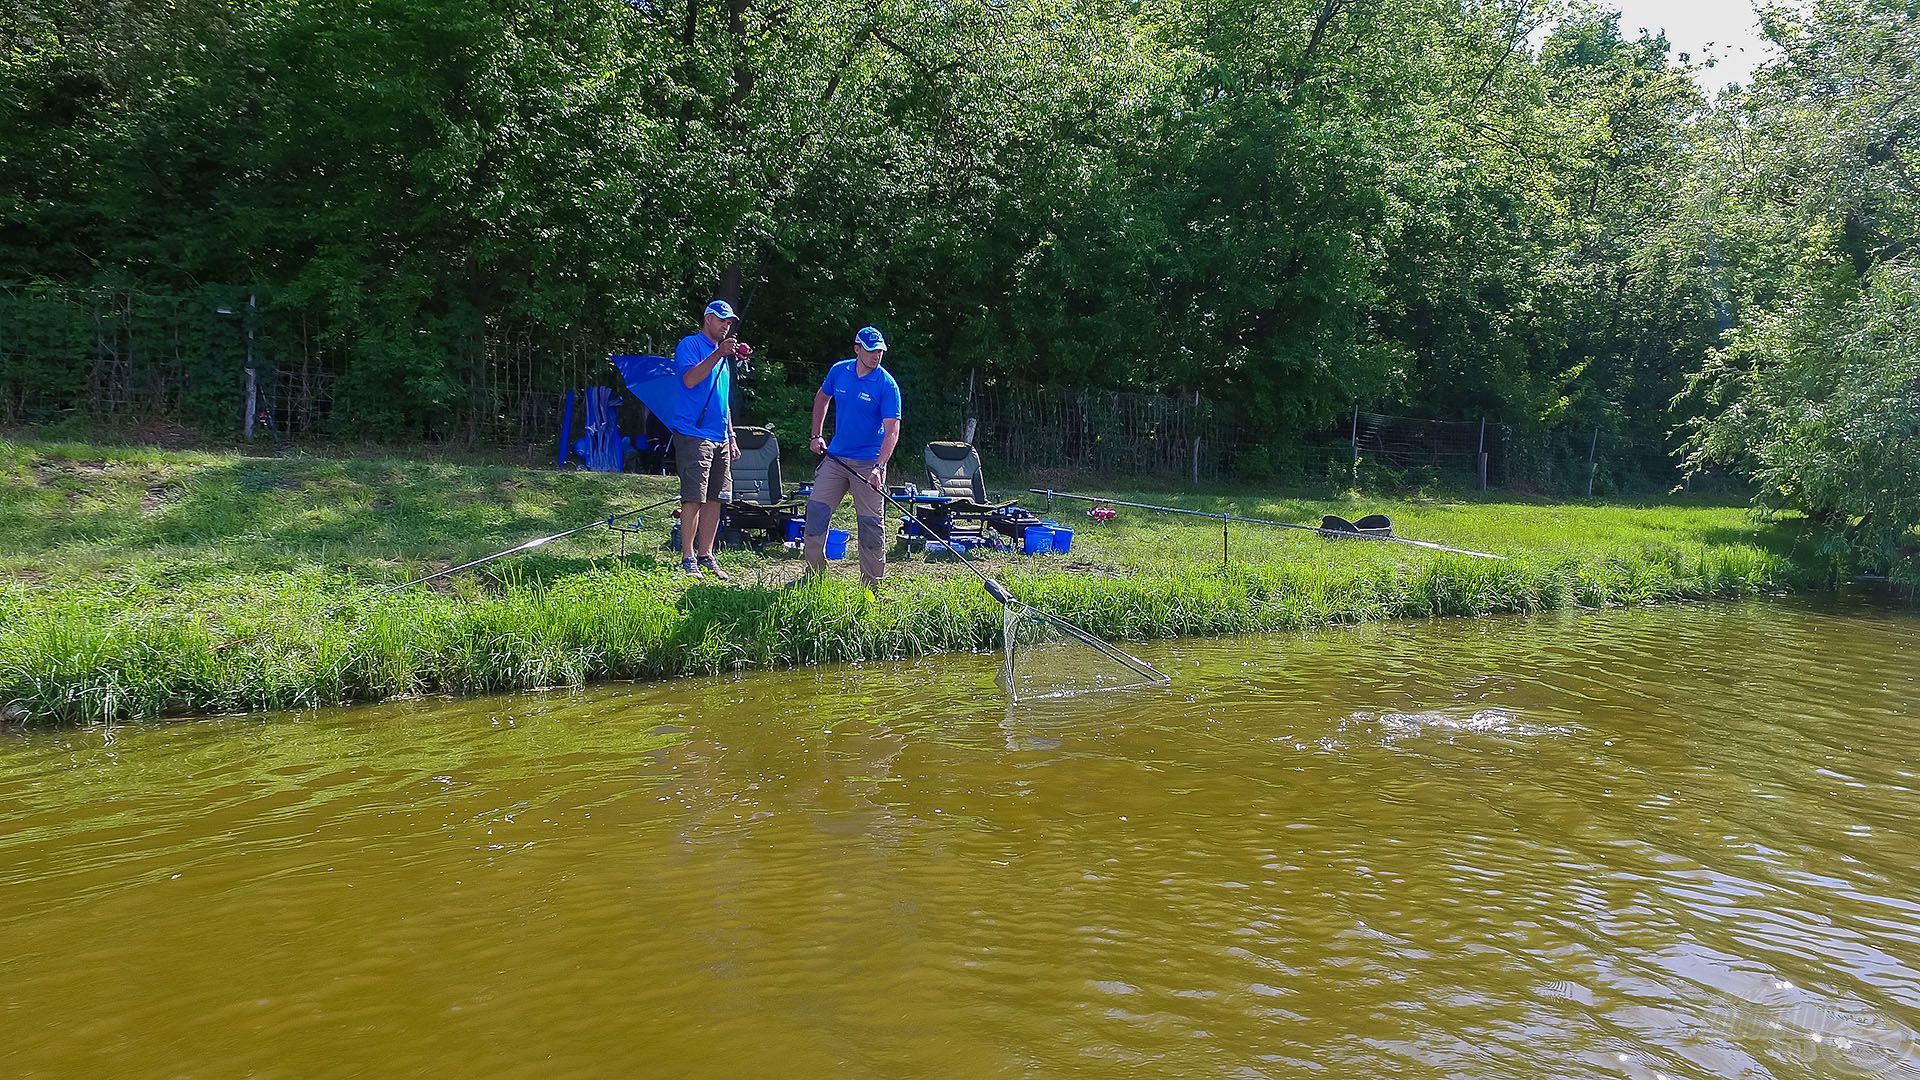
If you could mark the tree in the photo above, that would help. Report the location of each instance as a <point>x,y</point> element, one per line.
<point>1815,180</point>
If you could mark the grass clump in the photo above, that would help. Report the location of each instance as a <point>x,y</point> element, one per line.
<point>142,583</point>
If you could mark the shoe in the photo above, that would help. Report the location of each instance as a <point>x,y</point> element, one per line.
<point>690,568</point>
<point>712,567</point>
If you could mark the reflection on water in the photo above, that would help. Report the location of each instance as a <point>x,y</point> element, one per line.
<point>1675,842</point>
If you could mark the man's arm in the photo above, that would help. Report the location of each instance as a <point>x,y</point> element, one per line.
<point>696,374</point>
<point>820,403</point>
<point>889,438</point>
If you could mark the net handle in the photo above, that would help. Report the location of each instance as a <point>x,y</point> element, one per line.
<point>999,592</point>
<point>995,589</point>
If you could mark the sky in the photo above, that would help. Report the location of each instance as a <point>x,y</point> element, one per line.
<point>1692,24</point>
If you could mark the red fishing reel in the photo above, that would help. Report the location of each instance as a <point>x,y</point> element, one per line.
<point>1103,513</point>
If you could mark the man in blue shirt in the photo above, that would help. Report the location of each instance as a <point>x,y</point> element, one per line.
<point>866,425</point>
<point>704,447</point>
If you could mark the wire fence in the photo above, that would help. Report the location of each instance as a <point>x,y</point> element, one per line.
<point>229,359</point>
<point>1401,442</point>
<point>518,380</point>
<point>1077,429</point>
<point>223,358</point>
<point>1488,454</point>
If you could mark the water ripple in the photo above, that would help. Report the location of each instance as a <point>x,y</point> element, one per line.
<point>1673,842</point>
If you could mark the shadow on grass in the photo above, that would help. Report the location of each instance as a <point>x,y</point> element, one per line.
<point>1795,540</point>
<point>333,509</point>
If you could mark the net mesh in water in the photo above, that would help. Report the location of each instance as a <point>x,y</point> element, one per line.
<point>1047,657</point>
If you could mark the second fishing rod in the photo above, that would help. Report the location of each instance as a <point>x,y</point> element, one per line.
<point>625,521</point>
<point>1332,526</point>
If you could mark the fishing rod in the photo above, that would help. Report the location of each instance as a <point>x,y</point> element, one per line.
<point>1332,526</point>
<point>999,592</point>
<point>618,522</point>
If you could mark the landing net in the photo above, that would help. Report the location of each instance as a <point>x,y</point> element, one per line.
<point>1047,657</point>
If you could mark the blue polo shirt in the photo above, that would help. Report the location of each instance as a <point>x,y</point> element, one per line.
<point>703,410</point>
<point>858,407</point>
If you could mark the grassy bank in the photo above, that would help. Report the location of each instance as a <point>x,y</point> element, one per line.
<point>146,583</point>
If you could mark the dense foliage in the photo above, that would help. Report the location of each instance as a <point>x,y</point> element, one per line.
<point>1454,208</point>
<point>1816,205</point>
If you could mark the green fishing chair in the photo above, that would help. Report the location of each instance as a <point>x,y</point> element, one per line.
<point>759,504</point>
<point>954,470</point>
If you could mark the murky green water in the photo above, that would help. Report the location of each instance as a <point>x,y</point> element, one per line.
<point>1677,842</point>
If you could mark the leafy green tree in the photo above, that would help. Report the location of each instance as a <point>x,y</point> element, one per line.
<point>1819,398</point>
<point>1814,181</point>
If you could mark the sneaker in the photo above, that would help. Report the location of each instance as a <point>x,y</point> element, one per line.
<point>712,567</point>
<point>689,567</point>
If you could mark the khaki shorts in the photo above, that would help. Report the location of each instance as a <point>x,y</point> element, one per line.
<point>706,470</point>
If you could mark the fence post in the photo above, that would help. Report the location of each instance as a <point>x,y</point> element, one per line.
<point>1591,466</point>
<point>967,435</point>
<point>1196,459</point>
<point>253,394</point>
<point>1480,455</point>
<point>1354,437</point>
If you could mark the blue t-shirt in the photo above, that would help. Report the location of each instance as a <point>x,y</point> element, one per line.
<point>703,410</point>
<point>858,407</point>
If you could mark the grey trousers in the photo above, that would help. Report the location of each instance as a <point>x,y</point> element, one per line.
<point>830,486</point>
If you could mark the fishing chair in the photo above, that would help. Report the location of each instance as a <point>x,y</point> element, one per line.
<point>759,504</point>
<point>954,472</point>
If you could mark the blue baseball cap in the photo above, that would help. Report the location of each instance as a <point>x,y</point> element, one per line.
<point>722,309</point>
<point>868,338</point>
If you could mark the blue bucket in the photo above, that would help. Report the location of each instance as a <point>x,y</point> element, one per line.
<point>1038,540</point>
<point>796,529</point>
<point>1062,538</point>
<point>836,543</point>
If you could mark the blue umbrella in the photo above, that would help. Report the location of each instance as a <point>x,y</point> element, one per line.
<point>654,381</point>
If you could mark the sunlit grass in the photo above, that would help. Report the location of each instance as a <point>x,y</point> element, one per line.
<point>143,583</point>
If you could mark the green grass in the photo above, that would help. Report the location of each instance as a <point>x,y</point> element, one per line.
<point>143,583</point>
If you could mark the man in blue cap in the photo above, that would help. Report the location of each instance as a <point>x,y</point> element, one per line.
<point>704,446</point>
<point>866,425</point>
